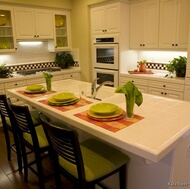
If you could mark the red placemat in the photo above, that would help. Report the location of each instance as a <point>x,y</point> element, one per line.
<point>35,95</point>
<point>112,126</point>
<point>81,102</point>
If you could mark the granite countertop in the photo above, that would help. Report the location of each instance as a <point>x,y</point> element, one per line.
<point>166,122</point>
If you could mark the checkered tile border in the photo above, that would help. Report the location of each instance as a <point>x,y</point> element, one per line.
<point>156,66</point>
<point>35,66</point>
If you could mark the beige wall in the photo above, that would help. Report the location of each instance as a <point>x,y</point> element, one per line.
<point>80,27</point>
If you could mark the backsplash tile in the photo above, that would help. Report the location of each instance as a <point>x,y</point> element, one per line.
<point>155,66</point>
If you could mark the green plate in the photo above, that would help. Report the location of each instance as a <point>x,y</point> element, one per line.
<point>63,103</point>
<point>104,108</point>
<point>61,97</point>
<point>42,90</point>
<point>34,87</point>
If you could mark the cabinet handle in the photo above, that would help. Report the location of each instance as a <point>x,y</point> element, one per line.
<point>162,93</point>
<point>164,85</point>
<point>176,45</point>
<point>71,75</point>
<point>132,81</point>
<point>38,36</point>
<point>15,84</point>
<point>140,45</point>
<point>15,48</point>
<point>34,35</point>
<point>143,44</point>
<point>165,93</point>
<point>103,30</point>
<point>173,45</point>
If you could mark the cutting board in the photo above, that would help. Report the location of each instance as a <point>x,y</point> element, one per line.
<point>138,72</point>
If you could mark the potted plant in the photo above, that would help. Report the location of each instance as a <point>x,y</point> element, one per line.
<point>142,65</point>
<point>5,72</point>
<point>177,66</point>
<point>64,60</point>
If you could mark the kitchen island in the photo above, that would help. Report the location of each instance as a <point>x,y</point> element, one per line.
<point>158,144</point>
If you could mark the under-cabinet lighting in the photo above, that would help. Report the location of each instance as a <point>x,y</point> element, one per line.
<point>30,43</point>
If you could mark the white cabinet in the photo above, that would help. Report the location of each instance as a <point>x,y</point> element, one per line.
<point>174,23</point>
<point>33,23</point>
<point>7,34</point>
<point>144,22</point>
<point>62,32</point>
<point>142,84</point>
<point>170,90</point>
<point>105,19</point>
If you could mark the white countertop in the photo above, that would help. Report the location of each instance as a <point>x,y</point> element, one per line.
<point>20,77</point>
<point>166,121</point>
<point>159,76</point>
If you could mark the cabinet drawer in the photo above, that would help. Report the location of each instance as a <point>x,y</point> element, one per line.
<point>165,85</point>
<point>1,86</point>
<point>35,81</point>
<point>136,81</point>
<point>57,77</point>
<point>14,84</point>
<point>71,76</point>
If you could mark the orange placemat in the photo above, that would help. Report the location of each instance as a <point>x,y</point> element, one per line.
<point>112,126</point>
<point>35,95</point>
<point>81,102</point>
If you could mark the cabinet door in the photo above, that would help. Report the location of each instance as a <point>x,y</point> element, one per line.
<point>182,24</point>
<point>7,34</point>
<point>136,25</point>
<point>62,32</point>
<point>97,20</point>
<point>144,18</point>
<point>112,18</point>
<point>44,24</point>
<point>174,20</point>
<point>25,23</point>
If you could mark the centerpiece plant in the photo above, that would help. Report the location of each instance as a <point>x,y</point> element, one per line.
<point>177,66</point>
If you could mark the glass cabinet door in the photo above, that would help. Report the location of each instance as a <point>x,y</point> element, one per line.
<point>7,42</point>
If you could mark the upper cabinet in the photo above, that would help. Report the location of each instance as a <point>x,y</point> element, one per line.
<point>61,25</point>
<point>33,24</point>
<point>144,22</point>
<point>174,20</point>
<point>105,19</point>
<point>7,34</point>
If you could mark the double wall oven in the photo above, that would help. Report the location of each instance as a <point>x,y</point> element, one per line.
<point>106,59</point>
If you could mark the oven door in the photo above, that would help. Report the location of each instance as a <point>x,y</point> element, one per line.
<point>106,75</point>
<point>106,56</point>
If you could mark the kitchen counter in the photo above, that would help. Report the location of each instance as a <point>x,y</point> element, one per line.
<point>157,76</point>
<point>39,74</point>
<point>156,138</point>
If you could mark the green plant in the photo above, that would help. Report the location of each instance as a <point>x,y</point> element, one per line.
<point>177,66</point>
<point>5,72</point>
<point>64,60</point>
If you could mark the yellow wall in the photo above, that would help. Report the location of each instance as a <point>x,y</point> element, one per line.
<point>81,38</point>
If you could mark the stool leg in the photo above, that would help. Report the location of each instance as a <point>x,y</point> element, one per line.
<point>122,177</point>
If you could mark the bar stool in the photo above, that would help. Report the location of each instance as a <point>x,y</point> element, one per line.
<point>87,163</point>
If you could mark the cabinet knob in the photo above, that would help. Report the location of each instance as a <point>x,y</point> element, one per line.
<point>15,84</point>
<point>164,85</point>
<point>132,81</point>
<point>140,45</point>
<point>162,93</point>
<point>165,93</point>
<point>34,35</point>
<point>176,45</point>
<point>173,44</point>
<point>143,44</point>
<point>71,75</point>
<point>37,36</point>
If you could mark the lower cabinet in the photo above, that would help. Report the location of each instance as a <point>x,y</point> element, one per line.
<point>142,84</point>
<point>158,87</point>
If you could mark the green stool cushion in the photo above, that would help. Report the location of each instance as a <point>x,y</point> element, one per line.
<point>99,160</point>
<point>35,117</point>
<point>41,137</point>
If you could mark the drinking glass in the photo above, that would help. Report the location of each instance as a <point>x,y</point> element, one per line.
<point>130,103</point>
